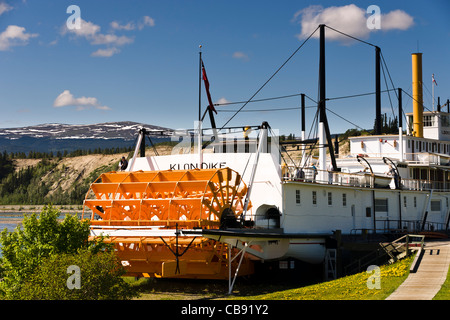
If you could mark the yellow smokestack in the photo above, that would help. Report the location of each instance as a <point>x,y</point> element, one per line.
<point>417,95</point>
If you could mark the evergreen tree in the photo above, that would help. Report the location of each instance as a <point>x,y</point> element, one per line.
<point>6,165</point>
<point>389,126</point>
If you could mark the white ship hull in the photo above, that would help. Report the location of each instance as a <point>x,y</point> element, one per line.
<point>315,209</point>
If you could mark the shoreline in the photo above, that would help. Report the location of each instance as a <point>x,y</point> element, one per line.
<point>23,208</point>
<point>14,214</point>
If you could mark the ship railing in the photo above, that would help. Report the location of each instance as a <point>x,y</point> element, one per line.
<point>372,155</point>
<point>394,226</point>
<point>314,175</point>
<point>359,179</point>
<point>417,184</point>
<point>407,226</point>
<point>427,158</point>
<point>422,158</point>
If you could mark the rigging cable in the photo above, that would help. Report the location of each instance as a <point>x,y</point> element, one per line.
<point>389,96</point>
<point>329,99</point>
<point>258,100</point>
<point>392,82</point>
<point>370,44</point>
<point>273,75</point>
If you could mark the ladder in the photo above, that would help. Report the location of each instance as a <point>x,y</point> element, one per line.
<point>330,264</point>
<point>426,210</point>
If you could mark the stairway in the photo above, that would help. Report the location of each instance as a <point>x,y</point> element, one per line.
<point>389,252</point>
<point>395,252</point>
<point>402,247</point>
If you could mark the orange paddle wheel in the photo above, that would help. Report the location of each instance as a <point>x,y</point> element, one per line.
<point>144,213</point>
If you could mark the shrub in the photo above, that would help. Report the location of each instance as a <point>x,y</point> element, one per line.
<point>100,278</point>
<point>34,259</point>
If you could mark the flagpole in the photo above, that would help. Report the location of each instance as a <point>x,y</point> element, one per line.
<point>200,83</point>
<point>200,138</point>
<point>432,87</point>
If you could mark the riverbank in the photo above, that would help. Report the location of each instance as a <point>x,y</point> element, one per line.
<point>23,208</point>
<point>13,214</point>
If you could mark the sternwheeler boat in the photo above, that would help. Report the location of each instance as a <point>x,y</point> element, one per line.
<point>236,200</point>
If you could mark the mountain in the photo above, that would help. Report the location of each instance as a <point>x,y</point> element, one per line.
<point>54,137</point>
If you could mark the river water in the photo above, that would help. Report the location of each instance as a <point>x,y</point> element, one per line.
<point>10,220</point>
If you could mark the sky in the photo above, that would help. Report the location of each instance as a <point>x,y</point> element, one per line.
<point>136,60</point>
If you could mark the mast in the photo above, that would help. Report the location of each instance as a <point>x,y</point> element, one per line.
<point>377,92</point>
<point>325,132</point>
<point>400,123</point>
<point>303,162</point>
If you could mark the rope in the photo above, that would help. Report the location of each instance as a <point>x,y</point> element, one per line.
<point>258,100</point>
<point>347,35</point>
<point>273,75</point>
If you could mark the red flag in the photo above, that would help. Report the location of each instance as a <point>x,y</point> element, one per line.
<point>434,81</point>
<point>205,79</point>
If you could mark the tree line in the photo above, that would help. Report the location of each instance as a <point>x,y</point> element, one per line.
<point>28,186</point>
<point>65,153</point>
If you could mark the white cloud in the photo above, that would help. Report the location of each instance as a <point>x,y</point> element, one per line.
<point>91,32</point>
<point>87,29</point>
<point>105,53</point>
<point>240,55</point>
<point>14,36</point>
<point>348,19</point>
<point>396,19</point>
<point>67,99</point>
<point>147,22</point>
<point>111,39</point>
<point>117,26</point>
<point>222,101</point>
<point>4,7</point>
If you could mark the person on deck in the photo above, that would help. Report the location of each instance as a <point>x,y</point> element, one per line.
<point>392,172</point>
<point>123,164</point>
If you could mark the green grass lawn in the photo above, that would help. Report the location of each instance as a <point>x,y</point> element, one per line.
<point>444,293</point>
<point>354,287</point>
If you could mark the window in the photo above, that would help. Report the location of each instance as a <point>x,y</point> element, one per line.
<point>444,120</point>
<point>404,201</point>
<point>381,205</point>
<point>330,199</point>
<point>415,202</point>
<point>427,121</point>
<point>435,205</point>
<point>314,198</point>
<point>297,196</point>
<point>344,199</point>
